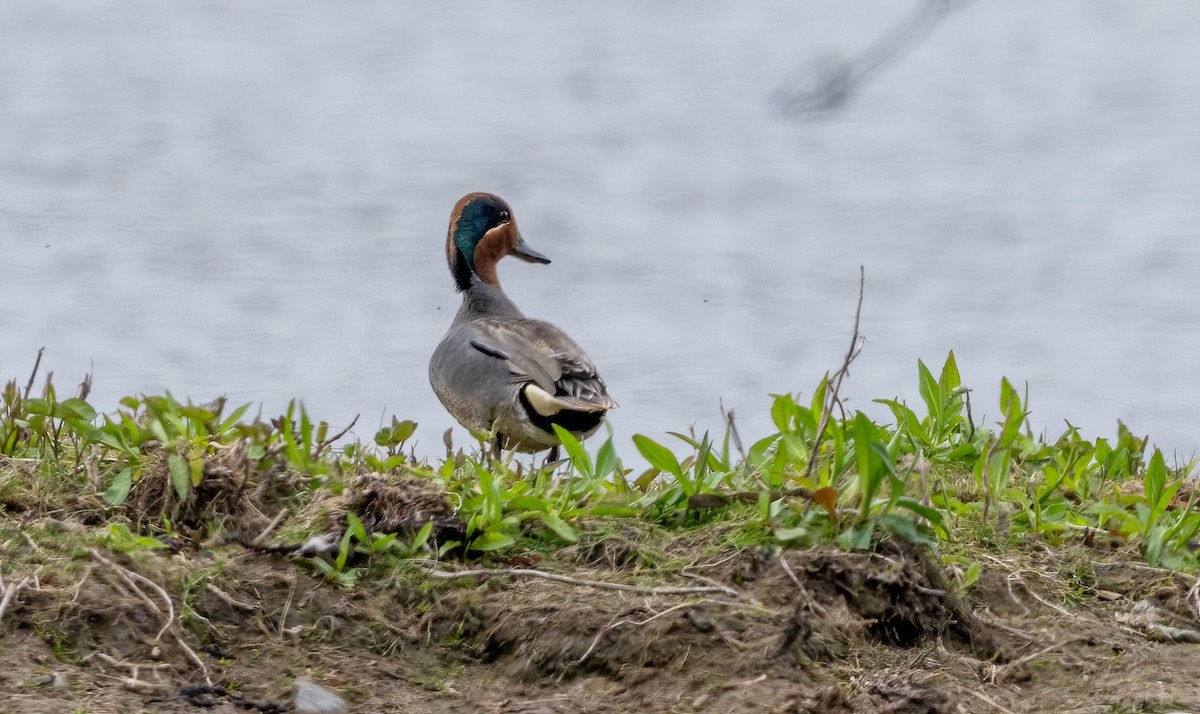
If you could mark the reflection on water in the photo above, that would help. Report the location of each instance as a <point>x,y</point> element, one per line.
<point>251,199</point>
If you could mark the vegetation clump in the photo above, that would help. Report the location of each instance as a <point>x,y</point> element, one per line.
<point>169,544</point>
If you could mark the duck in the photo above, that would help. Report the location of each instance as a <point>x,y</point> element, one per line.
<point>497,370</point>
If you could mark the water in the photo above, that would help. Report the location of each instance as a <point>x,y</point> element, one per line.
<point>251,199</point>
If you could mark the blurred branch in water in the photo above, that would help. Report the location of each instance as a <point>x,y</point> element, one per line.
<point>824,84</point>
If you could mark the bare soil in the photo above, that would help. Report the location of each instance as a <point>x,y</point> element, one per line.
<point>648,621</point>
<point>817,630</point>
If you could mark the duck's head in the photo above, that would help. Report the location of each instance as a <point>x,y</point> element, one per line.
<point>482,231</point>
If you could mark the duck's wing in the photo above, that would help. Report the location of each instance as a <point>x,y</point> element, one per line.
<point>541,355</point>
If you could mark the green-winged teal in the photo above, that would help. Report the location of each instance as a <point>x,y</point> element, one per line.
<point>496,369</point>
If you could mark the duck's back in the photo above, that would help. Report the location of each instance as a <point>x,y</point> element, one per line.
<point>520,376</point>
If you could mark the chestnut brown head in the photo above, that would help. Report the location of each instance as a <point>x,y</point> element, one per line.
<point>483,231</point>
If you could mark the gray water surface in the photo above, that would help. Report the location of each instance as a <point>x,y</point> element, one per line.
<point>251,199</point>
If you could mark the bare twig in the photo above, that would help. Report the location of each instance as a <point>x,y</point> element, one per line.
<point>33,374</point>
<point>992,621</point>
<point>270,526</point>
<point>1193,598</point>
<point>1046,650</point>
<point>598,584</point>
<point>1016,577</point>
<point>733,431</point>
<point>141,687</point>
<point>709,581</point>
<point>132,579</point>
<point>634,623</point>
<point>820,87</point>
<point>134,667</point>
<point>788,569</point>
<point>10,593</point>
<point>639,623</point>
<point>129,577</point>
<point>1149,569</point>
<point>989,701</point>
<point>321,447</point>
<point>287,604</point>
<point>835,384</point>
<point>228,599</point>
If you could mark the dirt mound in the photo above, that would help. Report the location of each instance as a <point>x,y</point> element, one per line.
<point>592,629</point>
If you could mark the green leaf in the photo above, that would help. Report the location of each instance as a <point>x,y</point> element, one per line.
<point>950,381</point>
<point>79,409</point>
<point>857,537</point>
<point>904,527</point>
<point>935,517</point>
<point>118,490</point>
<point>560,527</point>
<point>659,456</point>
<point>783,535</point>
<point>492,541</point>
<point>159,432</point>
<point>232,419</point>
<point>907,420</point>
<point>402,431</point>
<point>381,541</point>
<point>1156,477</point>
<point>181,477</point>
<point>606,459</point>
<point>528,503</point>
<point>422,537</point>
<point>613,509</point>
<point>343,551</point>
<point>355,527</point>
<point>579,456</point>
<point>931,395</point>
<point>196,469</point>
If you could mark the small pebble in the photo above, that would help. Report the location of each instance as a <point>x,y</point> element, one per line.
<point>311,698</point>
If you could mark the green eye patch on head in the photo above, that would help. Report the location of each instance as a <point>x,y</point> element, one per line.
<point>477,217</point>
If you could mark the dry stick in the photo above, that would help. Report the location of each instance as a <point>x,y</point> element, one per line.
<point>10,592</point>
<point>228,599</point>
<point>335,437</point>
<point>1193,598</point>
<point>1045,650</point>
<point>636,623</point>
<point>810,600</point>
<point>33,374</point>
<point>727,415</point>
<point>134,667</point>
<point>838,376</point>
<point>1061,610</point>
<point>788,569</point>
<point>130,577</point>
<point>992,621</point>
<point>270,526</point>
<point>989,701</point>
<point>639,623</point>
<point>1147,568</point>
<point>287,604</point>
<point>601,585</point>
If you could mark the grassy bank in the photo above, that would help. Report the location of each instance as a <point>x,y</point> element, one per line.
<point>835,565</point>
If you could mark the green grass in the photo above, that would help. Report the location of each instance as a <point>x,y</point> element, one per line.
<point>932,475</point>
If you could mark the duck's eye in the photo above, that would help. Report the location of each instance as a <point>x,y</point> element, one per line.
<point>504,215</point>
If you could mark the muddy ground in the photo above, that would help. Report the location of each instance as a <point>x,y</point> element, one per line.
<point>754,630</point>
<point>635,619</point>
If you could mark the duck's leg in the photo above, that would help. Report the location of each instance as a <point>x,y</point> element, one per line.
<point>553,455</point>
<point>497,447</point>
